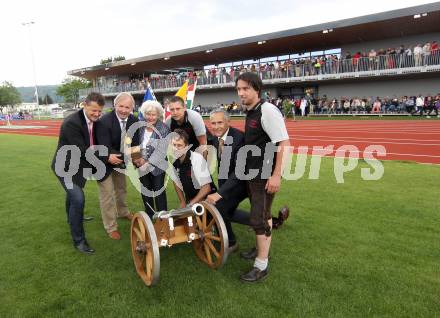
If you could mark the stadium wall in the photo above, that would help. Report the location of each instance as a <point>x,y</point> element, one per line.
<point>212,98</point>
<point>390,87</point>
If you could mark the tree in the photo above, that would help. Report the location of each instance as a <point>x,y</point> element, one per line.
<point>106,61</point>
<point>9,95</point>
<point>46,100</point>
<point>112,59</point>
<point>71,87</point>
<point>119,58</point>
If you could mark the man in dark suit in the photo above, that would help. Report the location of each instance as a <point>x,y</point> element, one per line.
<point>77,134</point>
<point>228,141</point>
<point>112,133</point>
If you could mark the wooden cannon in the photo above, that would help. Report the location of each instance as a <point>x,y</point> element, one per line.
<point>201,225</point>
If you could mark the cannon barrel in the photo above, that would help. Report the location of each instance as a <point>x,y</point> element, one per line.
<point>195,209</point>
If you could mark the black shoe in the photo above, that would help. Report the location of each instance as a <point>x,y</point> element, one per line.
<point>83,247</point>
<point>254,275</point>
<point>250,254</point>
<point>276,223</point>
<point>282,216</point>
<point>284,213</point>
<point>88,218</point>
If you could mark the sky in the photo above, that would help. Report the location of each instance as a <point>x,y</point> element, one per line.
<point>73,34</point>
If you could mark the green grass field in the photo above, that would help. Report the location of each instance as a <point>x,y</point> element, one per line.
<point>362,248</point>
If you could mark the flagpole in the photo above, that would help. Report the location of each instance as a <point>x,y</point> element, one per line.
<point>194,94</point>
<point>28,25</point>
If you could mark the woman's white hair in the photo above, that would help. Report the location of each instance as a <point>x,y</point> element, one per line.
<point>150,105</point>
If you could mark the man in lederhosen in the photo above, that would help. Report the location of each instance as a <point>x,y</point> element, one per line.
<point>266,131</point>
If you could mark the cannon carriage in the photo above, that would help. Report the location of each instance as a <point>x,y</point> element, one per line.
<point>201,225</point>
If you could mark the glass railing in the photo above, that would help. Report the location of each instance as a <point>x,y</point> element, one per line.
<point>300,69</point>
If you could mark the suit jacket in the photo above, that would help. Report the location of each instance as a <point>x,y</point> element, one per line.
<point>74,131</point>
<point>234,139</point>
<point>108,133</point>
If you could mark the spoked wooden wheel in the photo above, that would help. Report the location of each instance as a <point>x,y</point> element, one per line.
<point>144,248</point>
<point>212,243</point>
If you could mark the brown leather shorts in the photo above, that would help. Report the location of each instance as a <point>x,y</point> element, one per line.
<point>261,204</point>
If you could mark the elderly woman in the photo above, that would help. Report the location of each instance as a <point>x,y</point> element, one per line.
<point>153,143</point>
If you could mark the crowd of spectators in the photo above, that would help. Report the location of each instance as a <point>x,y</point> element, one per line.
<point>381,59</point>
<point>414,105</point>
<point>308,105</point>
<point>15,115</point>
<point>232,108</point>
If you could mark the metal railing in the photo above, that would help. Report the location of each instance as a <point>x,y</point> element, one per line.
<point>306,69</point>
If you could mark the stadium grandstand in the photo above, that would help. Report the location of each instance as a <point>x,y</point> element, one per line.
<point>345,66</point>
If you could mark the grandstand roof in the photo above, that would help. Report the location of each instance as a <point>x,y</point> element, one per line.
<point>371,27</point>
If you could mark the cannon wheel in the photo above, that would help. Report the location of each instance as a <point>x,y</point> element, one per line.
<point>212,245</point>
<point>144,248</point>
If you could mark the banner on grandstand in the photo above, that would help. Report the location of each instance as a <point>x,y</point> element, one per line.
<point>190,95</point>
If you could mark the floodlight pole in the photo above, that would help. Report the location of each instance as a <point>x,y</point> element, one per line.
<point>28,25</point>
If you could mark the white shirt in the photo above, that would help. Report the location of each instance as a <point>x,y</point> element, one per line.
<point>88,121</point>
<point>200,169</point>
<point>224,135</point>
<point>273,124</point>
<point>121,120</point>
<point>201,175</point>
<point>418,50</point>
<point>147,136</point>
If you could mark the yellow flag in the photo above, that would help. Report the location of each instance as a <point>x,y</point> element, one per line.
<point>183,91</point>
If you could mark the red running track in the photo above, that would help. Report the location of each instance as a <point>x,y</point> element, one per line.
<point>412,140</point>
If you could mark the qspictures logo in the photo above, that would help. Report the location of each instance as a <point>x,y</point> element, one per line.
<point>345,159</point>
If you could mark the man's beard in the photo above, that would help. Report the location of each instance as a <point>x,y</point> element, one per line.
<point>243,102</point>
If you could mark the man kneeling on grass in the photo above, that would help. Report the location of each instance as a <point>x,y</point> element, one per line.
<point>194,180</point>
